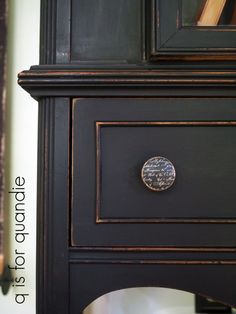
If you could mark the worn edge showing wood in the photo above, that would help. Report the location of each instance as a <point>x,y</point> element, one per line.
<point>158,52</point>
<point>120,77</point>
<point>100,220</point>
<point>74,83</point>
<point>1,263</point>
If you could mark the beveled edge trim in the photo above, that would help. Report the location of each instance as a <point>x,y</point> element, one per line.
<point>72,172</point>
<point>100,220</point>
<point>166,220</point>
<point>153,262</point>
<point>158,50</point>
<point>160,249</point>
<point>183,123</point>
<point>74,81</point>
<point>53,76</point>
<point>222,54</point>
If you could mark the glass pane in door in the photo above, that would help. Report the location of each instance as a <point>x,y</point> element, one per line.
<point>211,13</point>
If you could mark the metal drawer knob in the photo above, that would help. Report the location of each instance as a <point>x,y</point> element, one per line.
<point>158,173</point>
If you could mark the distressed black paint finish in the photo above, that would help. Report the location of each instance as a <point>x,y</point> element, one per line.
<point>205,305</point>
<point>135,81</point>
<point>87,244</point>
<point>101,31</point>
<point>172,40</point>
<point>52,214</point>
<point>107,187</point>
<point>115,276</point>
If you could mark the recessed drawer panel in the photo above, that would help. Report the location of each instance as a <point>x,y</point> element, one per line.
<point>111,202</point>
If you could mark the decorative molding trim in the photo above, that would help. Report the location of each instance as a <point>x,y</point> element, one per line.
<point>156,249</point>
<point>52,213</point>
<point>104,220</point>
<point>75,82</point>
<point>163,49</point>
<point>153,262</point>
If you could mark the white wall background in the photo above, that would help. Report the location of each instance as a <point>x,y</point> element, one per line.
<point>23,46</point>
<point>21,141</point>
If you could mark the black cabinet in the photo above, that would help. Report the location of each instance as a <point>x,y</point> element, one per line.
<point>112,139</point>
<point>121,82</point>
<point>177,32</point>
<point>106,31</point>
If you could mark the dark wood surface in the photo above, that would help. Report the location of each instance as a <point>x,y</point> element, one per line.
<point>103,32</point>
<point>132,32</point>
<point>107,277</point>
<point>205,305</point>
<point>52,214</point>
<point>173,41</point>
<point>92,74</point>
<point>107,187</point>
<point>57,80</point>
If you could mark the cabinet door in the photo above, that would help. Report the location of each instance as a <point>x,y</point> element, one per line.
<point>194,30</point>
<point>112,140</point>
<point>92,42</point>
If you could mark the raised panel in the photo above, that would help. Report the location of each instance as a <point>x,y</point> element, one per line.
<point>106,30</point>
<point>203,155</point>
<point>112,138</point>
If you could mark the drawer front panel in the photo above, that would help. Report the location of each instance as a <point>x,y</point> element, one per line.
<point>203,156</point>
<point>113,138</point>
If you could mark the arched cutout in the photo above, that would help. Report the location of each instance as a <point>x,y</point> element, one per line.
<point>214,282</point>
<point>145,300</point>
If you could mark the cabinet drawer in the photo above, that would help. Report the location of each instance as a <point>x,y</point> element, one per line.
<point>113,138</point>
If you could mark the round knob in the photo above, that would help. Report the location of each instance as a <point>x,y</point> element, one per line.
<point>158,173</point>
